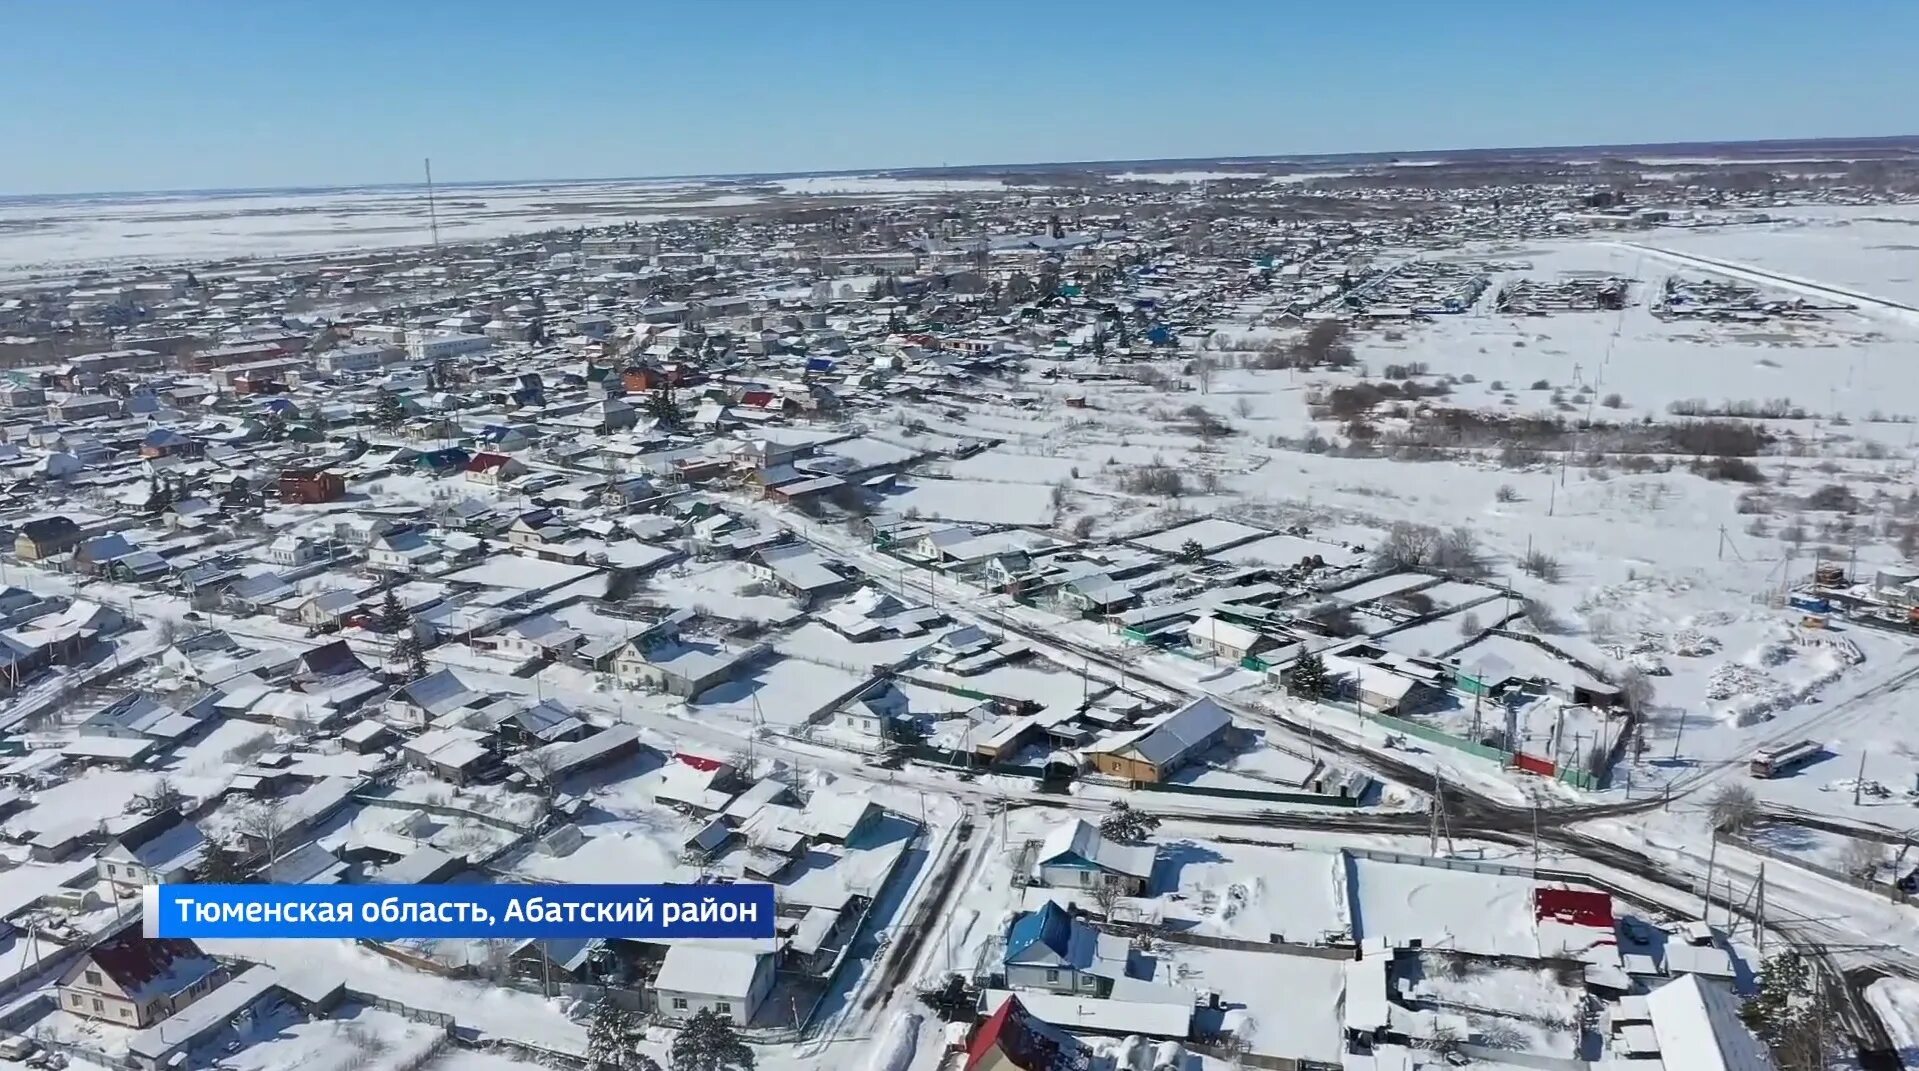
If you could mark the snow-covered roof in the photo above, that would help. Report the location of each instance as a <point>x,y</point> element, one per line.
<point>1215,631</point>
<point>1078,1012</point>
<point>708,970</point>
<point>1698,1026</point>
<point>1081,840</point>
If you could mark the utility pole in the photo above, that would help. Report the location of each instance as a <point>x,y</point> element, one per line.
<point>1859,782</point>
<point>1681,734</point>
<point>1712,854</point>
<point>1535,834</point>
<point>432,210</point>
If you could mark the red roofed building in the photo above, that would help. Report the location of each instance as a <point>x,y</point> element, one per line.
<point>138,981</point>
<point>699,762</point>
<point>1011,1039</point>
<point>1574,907</point>
<point>493,469</point>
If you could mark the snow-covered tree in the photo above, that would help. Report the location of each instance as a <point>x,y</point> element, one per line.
<point>393,616</point>
<point>221,865</point>
<point>388,413</point>
<point>708,1042</point>
<point>409,651</point>
<point>609,1038</point>
<point>1308,676</point>
<point>1126,825</point>
<point>1789,1014</point>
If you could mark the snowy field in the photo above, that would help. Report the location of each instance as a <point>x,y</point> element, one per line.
<point>972,500</point>
<point>1868,250</point>
<point>58,234</point>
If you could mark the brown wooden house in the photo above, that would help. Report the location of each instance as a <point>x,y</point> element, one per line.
<point>311,485</point>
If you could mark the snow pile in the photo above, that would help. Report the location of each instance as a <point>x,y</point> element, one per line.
<point>1867,787</point>
<point>895,1050</point>
<point>1748,695</point>
<point>1750,690</point>
<point>1692,643</point>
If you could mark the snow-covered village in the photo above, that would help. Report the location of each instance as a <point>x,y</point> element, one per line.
<point>1368,612</point>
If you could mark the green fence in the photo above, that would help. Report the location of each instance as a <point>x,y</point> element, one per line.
<point>1576,778</point>
<point>1313,798</point>
<point>1440,736</point>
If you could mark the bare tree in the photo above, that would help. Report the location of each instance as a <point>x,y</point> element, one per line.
<point>1106,896</point>
<point>542,765</point>
<point>1636,688</point>
<point>1863,858</point>
<point>266,822</point>
<point>1733,808</point>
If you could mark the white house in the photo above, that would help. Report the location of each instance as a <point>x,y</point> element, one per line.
<point>156,850</point>
<point>1076,856</point>
<point>294,550</point>
<point>732,978</point>
<point>435,346</point>
<point>1052,950</point>
<point>538,636</point>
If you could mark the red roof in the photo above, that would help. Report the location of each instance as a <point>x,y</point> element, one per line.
<point>135,962</point>
<point>1025,1042</point>
<point>759,399</point>
<point>1576,907</point>
<point>699,762</point>
<point>483,462</point>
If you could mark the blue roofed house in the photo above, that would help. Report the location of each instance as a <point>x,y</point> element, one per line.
<point>1076,856</point>
<point>1054,950</point>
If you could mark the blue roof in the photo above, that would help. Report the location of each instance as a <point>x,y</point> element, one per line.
<point>1050,926</point>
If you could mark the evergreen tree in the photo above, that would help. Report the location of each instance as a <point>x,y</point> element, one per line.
<point>1126,825</point>
<point>393,616</point>
<point>663,407</point>
<point>1788,1014</point>
<point>388,413</point>
<point>409,651</point>
<point>221,865</point>
<point>1192,551</point>
<point>1308,676</point>
<point>609,1037</point>
<point>708,1042</point>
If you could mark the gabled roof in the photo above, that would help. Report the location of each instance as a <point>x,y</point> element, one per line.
<point>486,462</point>
<point>1698,1027</point>
<point>1049,930</point>
<point>708,970</point>
<point>1080,842</point>
<point>145,967</point>
<point>437,693</point>
<point>1021,1040</point>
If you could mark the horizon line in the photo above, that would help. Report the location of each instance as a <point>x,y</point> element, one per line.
<point>1882,140</point>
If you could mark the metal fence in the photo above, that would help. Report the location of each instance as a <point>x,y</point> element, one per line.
<point>1891,892</point>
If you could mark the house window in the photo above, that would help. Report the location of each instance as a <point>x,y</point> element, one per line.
<point>679,1003</point>
<point>78,1000</point>
<point>125,1014</point>
<point>112,870</point>
<point>93,977</point>
<point>97,1006</point>
<point>1052,976</point>
<point>1085,877</point>
<point>723,1008</point>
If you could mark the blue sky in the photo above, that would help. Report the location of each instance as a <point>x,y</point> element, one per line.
<point>184,94</point>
